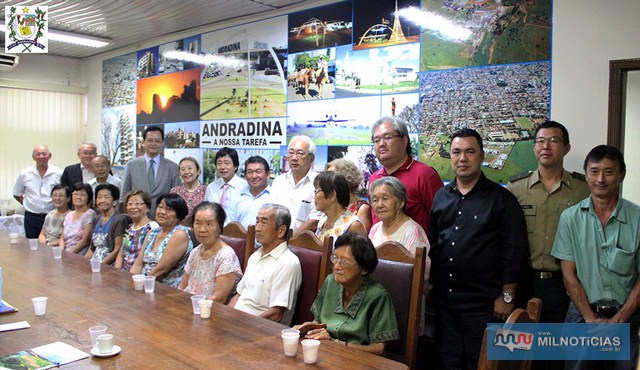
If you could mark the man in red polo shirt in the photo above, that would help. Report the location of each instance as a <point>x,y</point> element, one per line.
<point>393,149</point>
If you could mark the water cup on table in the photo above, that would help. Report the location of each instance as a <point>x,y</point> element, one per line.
<point>57,252</point>
<point>205,308</point>
<point>39,305</point>
<point>95,332</point>
<point>104,343</point>
<point>194,303</point>
<point>13,238</point>
<point>149,284</point>
<point>33,244</point>
<point>290,342</point>
<point>138,281</point>
<point>95,264</point>
<point>310,350</point>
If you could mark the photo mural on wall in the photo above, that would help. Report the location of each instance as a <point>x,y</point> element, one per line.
<point>330,72</point>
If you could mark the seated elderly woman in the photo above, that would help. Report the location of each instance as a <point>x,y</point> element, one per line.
<point>166,249</point>
<point>332,198</point>
<point>137,203</point>
<point>52,228</point>
<point>78,224</point>
<point>356,310</point>
<point>109,226</point>
<point>354,177</point>
<point>213,268</point>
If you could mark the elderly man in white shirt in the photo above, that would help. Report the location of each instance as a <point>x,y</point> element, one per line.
<point>295,189</point>
<point>33,190</point>
<point>270,284</point>
<point>101,167</point>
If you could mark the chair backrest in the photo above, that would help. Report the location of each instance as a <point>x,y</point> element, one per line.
<point>315,261</point>
<point>531,315</point>
<point>242,241</point>
<point>403,277</point>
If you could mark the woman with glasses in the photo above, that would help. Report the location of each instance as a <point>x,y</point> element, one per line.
<point>332,198</point>
<point>78,224</point>
<point>137,203</point>
<point>191,190</point>
<point>354,177</point>
<point>353,308</point>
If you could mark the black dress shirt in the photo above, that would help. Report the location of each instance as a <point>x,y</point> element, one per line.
<point>478,243</point>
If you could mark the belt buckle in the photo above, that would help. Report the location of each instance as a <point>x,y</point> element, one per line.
<point>546,275</point>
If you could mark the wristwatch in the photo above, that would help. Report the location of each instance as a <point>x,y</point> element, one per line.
<point>507,297</point>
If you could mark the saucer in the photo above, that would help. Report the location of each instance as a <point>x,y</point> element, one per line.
<point>115,351</point>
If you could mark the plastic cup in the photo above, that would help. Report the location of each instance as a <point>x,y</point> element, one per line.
<point>194,303</point>
<point>149,284</point>
<point>95,264</point>
<point>104,343</point>
<point>290,342</point>
<point>33,244</point>
<point>3,212</point>
<point>13,238</point>
<point>57,252</point>
<point>95,332</point>
<point>138,281</point>
<point>310,350</point>
<point>205,308</point>
<point>39,305</point>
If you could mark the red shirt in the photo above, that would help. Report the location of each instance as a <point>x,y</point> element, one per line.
<point>421,182</point>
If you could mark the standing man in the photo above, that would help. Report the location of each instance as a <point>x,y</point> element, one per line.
<point>392,146</point>
<point>151,172</point>
<point>543,195</point>
<point>295,189</point>
<point>83,171</point>
<point>598,242</point>
<point>478,250</point>
<point>226,189</point>
<point>101,168</point>
<point>270,284</point>
<point>245,210</point>
<point>33,190</point>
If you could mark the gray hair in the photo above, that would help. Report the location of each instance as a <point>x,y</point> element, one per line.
<point>281,214</point>
<point>397,189</point>
<point>349,170</point>
<point>307,139</point>
<point>398,124</point>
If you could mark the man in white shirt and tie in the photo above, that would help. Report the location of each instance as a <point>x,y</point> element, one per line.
<point>226,189</point>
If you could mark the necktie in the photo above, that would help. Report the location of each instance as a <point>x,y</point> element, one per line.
<point>151,175</point>
<point>223,197</point>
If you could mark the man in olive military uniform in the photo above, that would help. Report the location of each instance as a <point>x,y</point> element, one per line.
<point>543,195</point>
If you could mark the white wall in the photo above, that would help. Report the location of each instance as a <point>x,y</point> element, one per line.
<point>46,69</point>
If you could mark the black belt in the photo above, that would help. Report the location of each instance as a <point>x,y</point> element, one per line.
<point>35,214</point>
<point>605,310</point>
<point>547,274</point>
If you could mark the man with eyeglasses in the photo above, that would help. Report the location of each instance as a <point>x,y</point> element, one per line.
<point>392,146</point>
<point>295,189</point>
<point>257,173</point>
<point>543,195</point>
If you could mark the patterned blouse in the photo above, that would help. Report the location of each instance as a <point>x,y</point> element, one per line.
<point>202,273</point>
<point>73,230</point>
<point>53,225</point>
<point>132,243</point>
<point>152,257</point>
<point>339,227</point>
<point>193,198</point>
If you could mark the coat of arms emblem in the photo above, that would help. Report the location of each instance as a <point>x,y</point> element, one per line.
<point>26,29</point>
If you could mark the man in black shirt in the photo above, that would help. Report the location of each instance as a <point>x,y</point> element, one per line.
<point>478,250</point>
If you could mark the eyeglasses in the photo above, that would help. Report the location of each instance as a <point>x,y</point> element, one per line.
<point>554,140</point>
<point>297,153</point>
<point>386,138</point>
<point>342,261</point>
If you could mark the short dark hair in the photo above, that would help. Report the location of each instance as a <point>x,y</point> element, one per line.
<point>192,160</point>
<point>361,248</point>
<point>469,132</point>
<point>78,186</point>
<point>605,151</point>
<point>150,129</point>
<point>330,181</point>
<point>257,159</point>
<point>398,124</point>
<point>146,198</point>
<point>232,153</point>
<point>67,191</point>
<point>176,203</point>
<point>115,192</point>
<point>221,215</point>
<point>553,124</point>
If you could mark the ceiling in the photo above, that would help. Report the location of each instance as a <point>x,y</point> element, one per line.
<point>136,21</point>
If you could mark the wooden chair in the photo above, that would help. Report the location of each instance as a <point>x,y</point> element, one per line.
<point>531,315</point>
<point>403,277</point>
<point>315,262</point>
<point>243,241</point>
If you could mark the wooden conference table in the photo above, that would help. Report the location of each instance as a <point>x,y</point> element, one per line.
<point>155,330</point>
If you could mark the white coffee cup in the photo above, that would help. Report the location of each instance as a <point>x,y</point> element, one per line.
<point>104,343</point>
<point>310,350</point>
<point>205,308</point>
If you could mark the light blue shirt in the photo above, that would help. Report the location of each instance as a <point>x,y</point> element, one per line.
<point>156,163</point>
<point>245,210</point>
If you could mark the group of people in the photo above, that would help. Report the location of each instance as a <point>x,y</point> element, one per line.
<point>490,248</point>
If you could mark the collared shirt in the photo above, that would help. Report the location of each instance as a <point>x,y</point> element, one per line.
<point>245,210</point>
<point>478,243</point>
<point>607,261</point>
<point>270,280</point>
<point>542,211</point>
<point>87,175</point>
<point>156,163</point>
<point>421,182</point>
<point>214,192</point>
<point>298,198</point>
<point>36,190</point>
<point>110,180</point>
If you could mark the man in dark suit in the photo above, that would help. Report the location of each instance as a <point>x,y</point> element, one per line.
<point>83,171</point>
<point>151,172</point>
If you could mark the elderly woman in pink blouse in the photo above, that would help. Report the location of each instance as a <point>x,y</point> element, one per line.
<point>191,190</point>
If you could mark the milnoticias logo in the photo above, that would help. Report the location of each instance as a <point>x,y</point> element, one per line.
<point>512,339</point>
